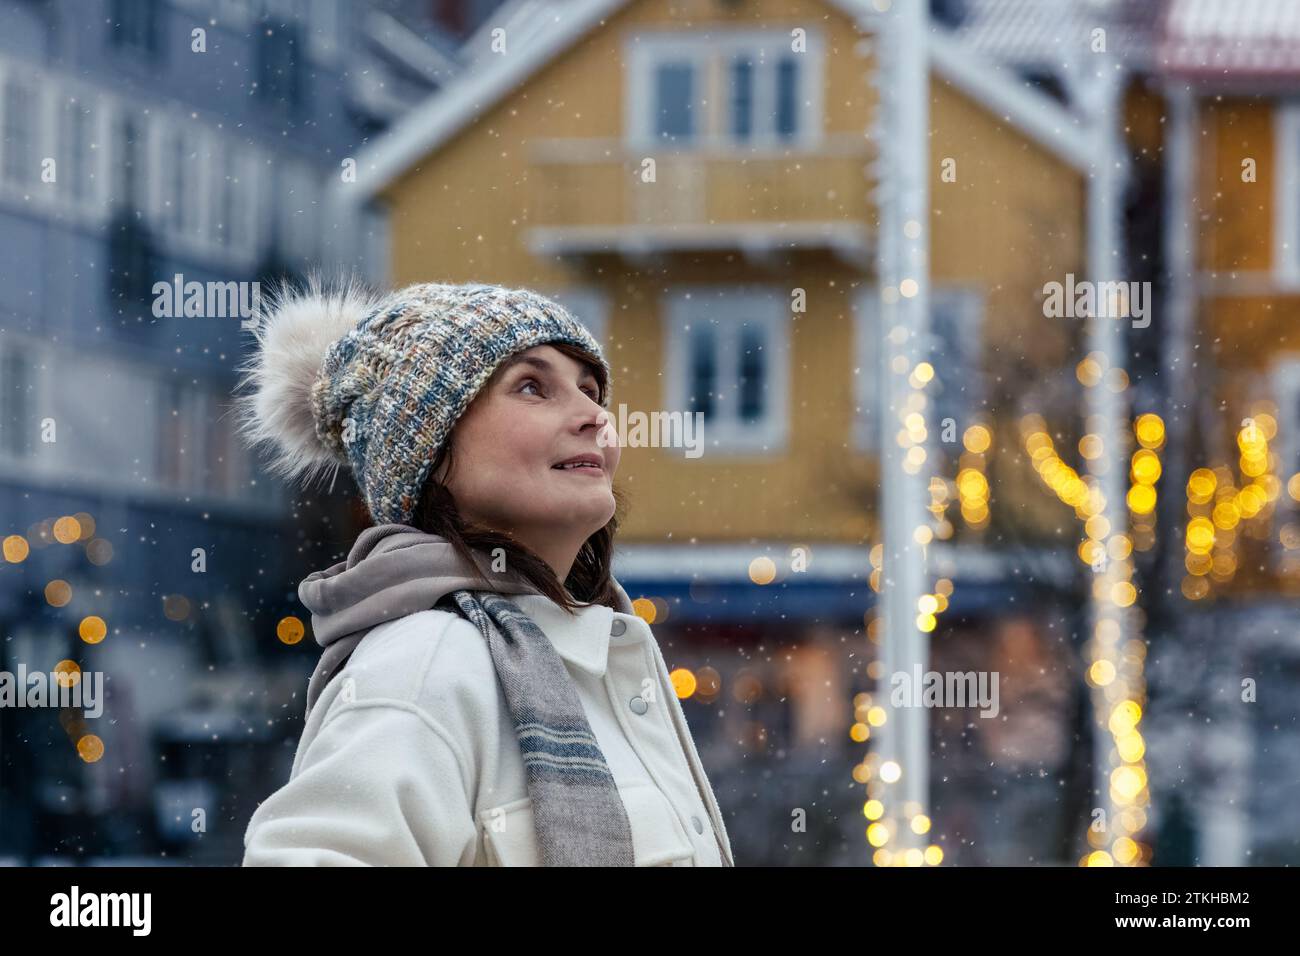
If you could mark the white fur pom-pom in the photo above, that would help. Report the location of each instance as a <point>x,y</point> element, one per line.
<point>295,329</point>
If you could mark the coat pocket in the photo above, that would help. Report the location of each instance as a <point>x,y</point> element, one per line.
<point>510,837</point>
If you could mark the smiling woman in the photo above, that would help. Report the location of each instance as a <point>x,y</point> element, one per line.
<point>506,706</point>
<point>541,411</point>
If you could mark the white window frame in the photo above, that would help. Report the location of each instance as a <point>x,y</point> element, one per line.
<point>56,103</point>
<point>729,305</point>
<point>1286,193</point>
<point>644,50</point>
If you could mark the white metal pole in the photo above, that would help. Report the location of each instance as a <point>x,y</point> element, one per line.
<point>1110,621</point>
<point>903,242</point>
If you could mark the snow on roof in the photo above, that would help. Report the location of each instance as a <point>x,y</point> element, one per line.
<point>1241,36</point>
<point>1048,34</point>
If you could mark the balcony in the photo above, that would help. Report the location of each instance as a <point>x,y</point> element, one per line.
<point>589,199</point>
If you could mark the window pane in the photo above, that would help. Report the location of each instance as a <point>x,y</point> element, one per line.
<point>957,361</point>
<point>76,141</point>
<point>752,373</point>
<point>703,371</point>
<point>226,207</point>
<point>125,155</point>
<point>19,133</point>
<point>867,366</point>
<point>135,24</point>
<point>742,98</point>
<point>15,405</point>
<point>787,98</point>
<point>177,162</point>
<point>171,412</point>
<point>280,62</point>
<point>673,118</point>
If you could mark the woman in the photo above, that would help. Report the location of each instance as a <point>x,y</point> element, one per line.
<point>486,695</point>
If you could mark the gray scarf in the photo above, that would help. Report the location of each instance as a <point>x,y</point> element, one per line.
<point>394,570</point>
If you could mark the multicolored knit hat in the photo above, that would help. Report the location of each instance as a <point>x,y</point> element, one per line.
<point>376,383</point>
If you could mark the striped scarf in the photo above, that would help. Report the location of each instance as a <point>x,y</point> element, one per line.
<point>577,811</point>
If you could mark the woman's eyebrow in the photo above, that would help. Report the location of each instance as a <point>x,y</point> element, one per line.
<point>540,363</point>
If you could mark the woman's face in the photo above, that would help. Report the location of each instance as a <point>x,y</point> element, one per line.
<point>539,408</point>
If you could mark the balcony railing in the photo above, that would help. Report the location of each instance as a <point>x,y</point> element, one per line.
<point>598,188</point>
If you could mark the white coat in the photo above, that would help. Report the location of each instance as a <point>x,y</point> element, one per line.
<point>410,758</point>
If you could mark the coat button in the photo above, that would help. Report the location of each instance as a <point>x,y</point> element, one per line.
<point>618,627</point>
<point>698,824</point>
<point>638,705</point>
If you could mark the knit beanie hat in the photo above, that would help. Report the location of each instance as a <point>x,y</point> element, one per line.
<point>376,382</point>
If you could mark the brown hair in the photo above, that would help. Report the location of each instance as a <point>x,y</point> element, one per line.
<point>590,580</point>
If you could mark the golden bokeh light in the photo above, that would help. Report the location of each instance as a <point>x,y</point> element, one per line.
<point>92,629</point>
<point>762,570</point>
<point>15,548</point>
<point>90,748</point>
<point>290,630</point>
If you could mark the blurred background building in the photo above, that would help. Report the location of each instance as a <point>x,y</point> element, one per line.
<point>171,152</point>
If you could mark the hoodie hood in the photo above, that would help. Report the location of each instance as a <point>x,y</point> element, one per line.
<point>393,570</point>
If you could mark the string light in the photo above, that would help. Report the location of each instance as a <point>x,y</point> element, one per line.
<point>1114,672</point>
<point>1220,512</point>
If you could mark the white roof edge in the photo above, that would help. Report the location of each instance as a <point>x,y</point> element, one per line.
<point>1036,114</point>
<point>448,110</point>
<point>409,47</point>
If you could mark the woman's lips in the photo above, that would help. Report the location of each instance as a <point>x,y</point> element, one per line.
<point>582,471</point>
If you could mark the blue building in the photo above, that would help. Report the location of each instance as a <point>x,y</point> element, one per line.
<point>142,140</point>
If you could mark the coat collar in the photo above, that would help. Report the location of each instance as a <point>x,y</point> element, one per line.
<point>581,638</point>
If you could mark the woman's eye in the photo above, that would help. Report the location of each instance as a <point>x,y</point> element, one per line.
<point>530,381</point>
